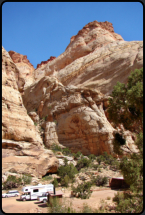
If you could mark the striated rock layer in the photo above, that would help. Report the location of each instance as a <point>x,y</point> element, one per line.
<point>18,127</point>
<point>96,57</point>
<point>74,116</point>
<point>68,94</point>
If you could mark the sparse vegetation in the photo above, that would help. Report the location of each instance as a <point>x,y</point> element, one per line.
<point>77,155</point>
<point>108,160</point>
<point>55,148</point>
<point>56,206</point>
<point>66,151</point>
<point>101,181</point>
<point>47,178</point>
<point>14,182</point>
<point>82,190</point>
<point>83,162</point>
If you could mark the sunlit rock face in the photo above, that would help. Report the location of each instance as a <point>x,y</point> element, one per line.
<point>68,95</point>
<point>25,67</point>
<point>22,146</point>
<point>74,116</point>
<point>96,57</point>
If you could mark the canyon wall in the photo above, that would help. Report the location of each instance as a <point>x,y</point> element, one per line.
<point>22,146</point>
<point>66,96</point>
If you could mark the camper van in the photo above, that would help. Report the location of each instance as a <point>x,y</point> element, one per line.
<point>32,192</point>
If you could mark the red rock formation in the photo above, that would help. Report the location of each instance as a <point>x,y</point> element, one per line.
<point>45,62</point>
<point>104,25</point>
<point>17,58</point>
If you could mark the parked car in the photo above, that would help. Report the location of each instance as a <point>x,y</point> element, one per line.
<point>43,198</point>
<point>11,193</point>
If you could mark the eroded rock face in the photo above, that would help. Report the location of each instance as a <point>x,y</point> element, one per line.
<point>11,75</point>
<point>18,127</point>
<point>27,158</point>
<point>75,116</point>
<point>93,36</point>
<point>96,58</point>
<point>24,66</point>
<point>104,67</point>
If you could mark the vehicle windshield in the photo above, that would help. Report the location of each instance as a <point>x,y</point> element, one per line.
<point>25,193</point>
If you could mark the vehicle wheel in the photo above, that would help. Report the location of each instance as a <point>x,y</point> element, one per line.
<point>16,195</point>
<point>24,199</point>
<point>44,200</point>
<point>6,196</point>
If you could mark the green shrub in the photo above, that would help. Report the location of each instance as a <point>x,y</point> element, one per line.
<point>66,151</point>
<point>65,181</point>
<point>12,182</point>
<point>35,123</point>
<point>26,179</point>
<point>55,182</point>
<point>92,157</point>
<point>109,160</point>
<point>100,159</point>
<point>118,197</point>
<point>55,148</point>
<point>47,177</point>
<point>83,162</point>
<point>100,181</point>
<point>68,169</point>
<point>82,190</point>
<point>77,155</point>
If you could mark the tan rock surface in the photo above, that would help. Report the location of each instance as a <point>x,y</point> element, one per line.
<point>105,66</point>
<point>96,57</point>
<point>11,75</point>
<point>93,36</point>
<point>74,116</point>
<point>17,126</point>
<point>26,157</point>
<point>24,66</point>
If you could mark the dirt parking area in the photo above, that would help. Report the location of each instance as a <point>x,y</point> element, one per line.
<point>15,205</point>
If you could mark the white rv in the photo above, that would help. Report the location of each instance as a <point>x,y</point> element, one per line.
<point>32,192</point>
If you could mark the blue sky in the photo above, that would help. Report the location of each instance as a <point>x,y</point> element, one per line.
<point>43,29</point>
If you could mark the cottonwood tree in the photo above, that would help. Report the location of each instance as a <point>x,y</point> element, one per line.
<point>126,107</point>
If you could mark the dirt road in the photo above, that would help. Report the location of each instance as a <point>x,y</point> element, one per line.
<point>14,205</point>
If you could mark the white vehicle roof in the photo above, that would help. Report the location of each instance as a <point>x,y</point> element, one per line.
<point>37,186</point>
<point>11,191</point>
